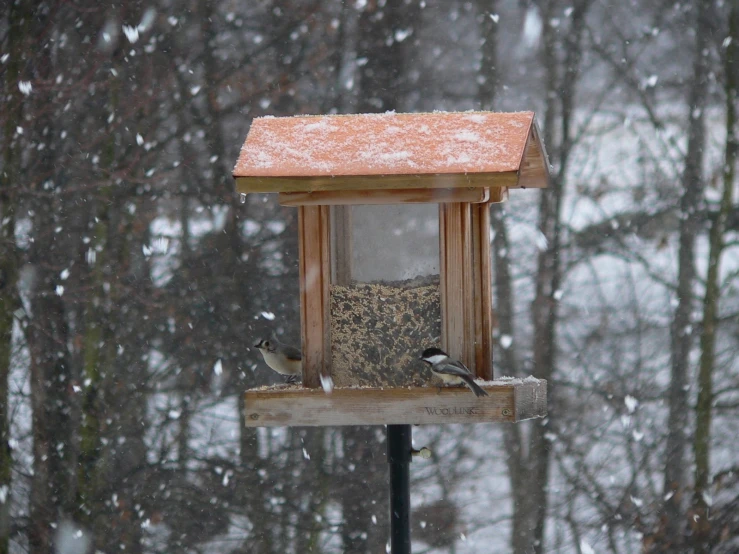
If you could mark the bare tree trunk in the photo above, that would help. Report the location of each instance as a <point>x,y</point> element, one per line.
<point>681,329</point>
<point>699,514</point>
<point>528,468</point>
<point>310,441</point>
<point>516,461</point>
<point>488,86</point>
<point>549,271</point>
<point>18,20</point>
<point>53,485</point>
<point>363,491</point>
<point>386,42</point>
<point>122,457</point>
<point>54,460</point>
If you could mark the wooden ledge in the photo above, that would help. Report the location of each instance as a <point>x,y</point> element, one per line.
<point>283,406</point>
<point>258,183</point>
<point>476,195</point>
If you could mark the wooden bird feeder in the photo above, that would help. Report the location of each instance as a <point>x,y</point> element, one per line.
<point>394,235</point>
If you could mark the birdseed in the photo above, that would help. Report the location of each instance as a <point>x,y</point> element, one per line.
<point>378,331</point>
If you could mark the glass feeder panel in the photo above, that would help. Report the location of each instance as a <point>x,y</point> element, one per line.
<point>385,293</point>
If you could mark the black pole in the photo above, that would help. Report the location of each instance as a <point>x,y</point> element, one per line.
<point>399,457</point>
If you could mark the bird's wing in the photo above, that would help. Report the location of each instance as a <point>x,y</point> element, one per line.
<point>460,366</point>
<point>293,353</point>
<point>453,367</point>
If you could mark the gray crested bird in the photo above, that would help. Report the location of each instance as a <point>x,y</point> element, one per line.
<point>450,371</point>
<point>283,358</point>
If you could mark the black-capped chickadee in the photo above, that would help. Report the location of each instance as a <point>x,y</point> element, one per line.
<point>283,358</point>
<point>450,371</point>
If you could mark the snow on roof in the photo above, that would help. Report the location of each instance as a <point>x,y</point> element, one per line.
<point>381,144</point>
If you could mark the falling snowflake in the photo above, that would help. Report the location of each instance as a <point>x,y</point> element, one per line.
<point>402,34</point>
<point>160,245</point>
<point>541,241</point>
<point>631,403</point>
<point>70,539</point>
<point>25,87</point>
<point>227,477</point>
<point>532,27</point>
<point>132,33</point>
<point>327,383</point>
<point>147,20</point>
<point>650,82</point>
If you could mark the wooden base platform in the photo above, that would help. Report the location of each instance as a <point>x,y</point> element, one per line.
<point>283,406</point>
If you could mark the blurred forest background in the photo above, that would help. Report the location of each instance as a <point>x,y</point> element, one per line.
<point>133,281</point>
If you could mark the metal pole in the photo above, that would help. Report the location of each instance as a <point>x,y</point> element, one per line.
<point>399,457</point>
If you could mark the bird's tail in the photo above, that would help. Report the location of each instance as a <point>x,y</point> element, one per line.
<point>474,387</point>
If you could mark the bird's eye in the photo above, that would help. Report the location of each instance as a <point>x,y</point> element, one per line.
<point>266,344</point>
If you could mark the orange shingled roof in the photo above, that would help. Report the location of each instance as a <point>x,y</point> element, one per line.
<point>371,145</point>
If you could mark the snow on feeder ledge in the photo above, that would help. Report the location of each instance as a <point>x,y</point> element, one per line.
<point>394,235</point>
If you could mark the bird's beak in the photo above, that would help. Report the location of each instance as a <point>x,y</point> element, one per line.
<point>257,345</point>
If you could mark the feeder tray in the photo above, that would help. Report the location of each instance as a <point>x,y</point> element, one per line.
<point>509,400</point>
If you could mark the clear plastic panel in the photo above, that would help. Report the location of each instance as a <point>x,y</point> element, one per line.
<point>385,295</point>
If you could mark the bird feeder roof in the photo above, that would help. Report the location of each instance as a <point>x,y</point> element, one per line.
<point>392,151</point>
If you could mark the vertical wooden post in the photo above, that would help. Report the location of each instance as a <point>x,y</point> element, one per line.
<point>483,298</point>
<point>315,301</point>
<point>341,245</point>
<point>457,287</point>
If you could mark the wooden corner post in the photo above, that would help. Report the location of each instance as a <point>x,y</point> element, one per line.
<point>457,287</point>
<point>483,298</point>
<point>315,300</point>
<point>466,282</point>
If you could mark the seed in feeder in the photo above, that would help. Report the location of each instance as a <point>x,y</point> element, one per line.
<point>376,330</point>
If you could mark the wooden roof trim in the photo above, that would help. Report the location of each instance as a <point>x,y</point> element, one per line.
<point>534,166</point>
<point>246,185</point>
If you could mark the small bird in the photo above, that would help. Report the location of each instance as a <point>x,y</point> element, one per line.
<point>450,371</point>
<point>283,358</point>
